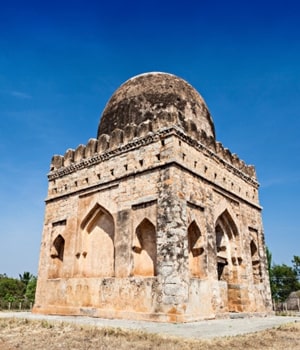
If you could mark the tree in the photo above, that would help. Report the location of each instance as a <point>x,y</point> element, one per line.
<point>283,281</point>
<point>269,259</point>
<point>296,265</point>
<point>25,277</point>
<point>11,289</point>
<point>269,262</point>
<point>30,289</point>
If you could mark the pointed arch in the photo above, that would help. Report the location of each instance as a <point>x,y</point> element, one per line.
<point>227,224</point>
<point>196,250</point>
<point>256,268</point>
<point>55,268</point>
<point>226,244</point>
<point>253,249</point>
<point>144,249</point>
<point>92,214</point>
<point>58,247</point>
<point>223,206</point>
<point>97,249</point>
<point>229,261</point>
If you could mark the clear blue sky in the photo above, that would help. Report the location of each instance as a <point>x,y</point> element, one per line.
<point>60,61</point>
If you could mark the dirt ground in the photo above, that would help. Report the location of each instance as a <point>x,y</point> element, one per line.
<point>24,334</point>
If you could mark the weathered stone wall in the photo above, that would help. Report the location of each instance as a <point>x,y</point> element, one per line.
<point>130,231</point>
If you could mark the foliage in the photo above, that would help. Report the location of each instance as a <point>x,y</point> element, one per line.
<point>283,278</point>
<point>269,258</point>
<point>16,290</point>
<point>25,277</point>
<point>11,289</point>
<point>30,289</point>
<point>296,265</point>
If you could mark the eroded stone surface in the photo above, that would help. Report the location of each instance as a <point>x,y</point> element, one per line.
<point>154,219</point>
<point>153,100</point>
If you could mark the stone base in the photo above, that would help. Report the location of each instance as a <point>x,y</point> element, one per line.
<point>135,298</point>
<point>114,314</point>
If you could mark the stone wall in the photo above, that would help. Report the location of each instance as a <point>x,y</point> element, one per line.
<point>155,226</point>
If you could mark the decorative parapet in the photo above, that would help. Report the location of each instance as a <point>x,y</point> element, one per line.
<point>132,137</point>
<point>91,148</point>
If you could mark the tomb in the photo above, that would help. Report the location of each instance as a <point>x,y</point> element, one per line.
<point>153,219</point>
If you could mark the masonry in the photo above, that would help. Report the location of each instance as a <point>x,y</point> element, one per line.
<point>154,219</point>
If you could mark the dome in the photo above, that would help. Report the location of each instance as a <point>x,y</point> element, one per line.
<point>162,99</point>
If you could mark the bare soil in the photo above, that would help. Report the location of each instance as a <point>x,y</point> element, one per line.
<point>24,334</point>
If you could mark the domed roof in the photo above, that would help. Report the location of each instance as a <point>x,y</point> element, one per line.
<point>161,98</point>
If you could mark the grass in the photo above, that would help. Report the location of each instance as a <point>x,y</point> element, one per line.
<point>18,334</point>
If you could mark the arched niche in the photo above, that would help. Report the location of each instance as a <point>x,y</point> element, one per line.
<point>196,251</point>
<point>58,247</point>
<point>227,244</point>
<point>256,268</point>
<point>144,249</point>
<point>229,262</point>
<point>57,256</point>
<point>97,252</point>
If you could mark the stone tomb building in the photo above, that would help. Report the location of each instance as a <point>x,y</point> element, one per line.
<point>154,219</point>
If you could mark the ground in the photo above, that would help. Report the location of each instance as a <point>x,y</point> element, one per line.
<point>22,331</point>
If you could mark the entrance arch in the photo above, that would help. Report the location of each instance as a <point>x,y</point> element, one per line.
<point>98,253</point>
<point>229,259</point>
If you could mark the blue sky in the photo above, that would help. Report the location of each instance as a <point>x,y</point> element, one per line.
<point>60,61</point>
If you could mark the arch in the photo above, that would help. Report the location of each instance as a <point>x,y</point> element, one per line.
<point>224,209</point>
<point>253,248</point>
<point>195,248</point>
<point>58,247</point>
<point>229,261</point>
<point>92,214</point>
<point>97,248</point>
<point>226,245</point>
<point>144,249</point>
<point>55,269</point>
<point>256,268</point>
<point>222,250</point>
<point>226,222</point>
